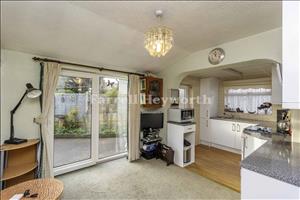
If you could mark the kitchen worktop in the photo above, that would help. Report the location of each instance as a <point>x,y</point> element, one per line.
<point>182,123</point>
<point>250,121</point>
<point>277,158</point>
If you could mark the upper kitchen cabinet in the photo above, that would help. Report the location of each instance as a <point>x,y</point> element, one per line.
<point>209,91</point>
<point>291,54</point>
<point>276,84</point>
<point>151,92</point>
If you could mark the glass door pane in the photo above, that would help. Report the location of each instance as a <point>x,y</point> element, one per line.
<point>112,116</point>
<point>72,120</point>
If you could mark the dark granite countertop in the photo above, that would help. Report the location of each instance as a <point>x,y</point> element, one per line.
<point>277,158</point>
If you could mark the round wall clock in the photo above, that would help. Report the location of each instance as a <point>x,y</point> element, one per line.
<point>216,56</point>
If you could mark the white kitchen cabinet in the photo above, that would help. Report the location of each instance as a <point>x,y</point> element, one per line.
<point>238,135</point>
<point>258,186</point>
<point>205,135</point>
<point>209,91</point>
<point>227,133</point>
<point>222,132</point>
<point>251,144</point>
<point>176,135</point>
<point>205,111</point>
<point>240,126</point>
<point>291,54</point>
<point>276,85</point>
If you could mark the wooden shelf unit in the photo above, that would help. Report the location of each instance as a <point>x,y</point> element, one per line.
<point>20,162</point>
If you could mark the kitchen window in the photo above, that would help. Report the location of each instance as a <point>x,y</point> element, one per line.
<point>252,100</point>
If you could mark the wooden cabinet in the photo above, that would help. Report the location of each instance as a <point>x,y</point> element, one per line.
<point>291,54</point>
<point>151,92</point>
<point>20,162</point>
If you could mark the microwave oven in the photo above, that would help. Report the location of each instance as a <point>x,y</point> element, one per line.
<point>180,115</point>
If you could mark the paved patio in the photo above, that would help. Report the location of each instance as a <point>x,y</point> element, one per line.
<point>70,150</point>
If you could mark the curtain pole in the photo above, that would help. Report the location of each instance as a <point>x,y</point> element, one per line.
<point>82,65</point>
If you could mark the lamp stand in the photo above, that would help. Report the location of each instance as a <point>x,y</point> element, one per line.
<point>12,139</point>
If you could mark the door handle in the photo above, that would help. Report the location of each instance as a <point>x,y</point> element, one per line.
<point>206,123</point>
<point>233,127</point>
<point>206,113</point>
<point>244,146</point>
<point>238,128</point>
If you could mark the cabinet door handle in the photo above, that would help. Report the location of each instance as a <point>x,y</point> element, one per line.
<point>206,123</point>
<point>206,113</point>
<point>233,127</point>
<point>244,146</point>
<point>238,128</point>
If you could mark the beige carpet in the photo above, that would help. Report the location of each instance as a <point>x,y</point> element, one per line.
<point>144,179</point>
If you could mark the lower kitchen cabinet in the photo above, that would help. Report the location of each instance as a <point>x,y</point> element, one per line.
<point>259,186</point>
<point>240,126</point>
<point>251,144</point>
<point>205,136</point>
<point>222,133</point>
<point>227,133</point>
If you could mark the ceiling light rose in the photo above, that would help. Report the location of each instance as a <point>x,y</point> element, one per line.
<point>159,40</point>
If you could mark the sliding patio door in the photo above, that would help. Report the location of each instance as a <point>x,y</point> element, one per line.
<point>90,119</point>
<point>112,116</point>
<point>73,145</point>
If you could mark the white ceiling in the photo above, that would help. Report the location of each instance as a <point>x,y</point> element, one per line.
<point>111,33</point>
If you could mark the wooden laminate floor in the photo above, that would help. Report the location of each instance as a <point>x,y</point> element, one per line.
<point>218,165</point>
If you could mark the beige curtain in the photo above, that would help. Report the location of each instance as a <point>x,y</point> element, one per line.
<point>50,79</point>
<point>134,114</point>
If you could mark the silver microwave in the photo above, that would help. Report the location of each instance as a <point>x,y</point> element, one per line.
<point>181,115</point>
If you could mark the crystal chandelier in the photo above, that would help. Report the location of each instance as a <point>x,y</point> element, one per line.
<point>159,40</point>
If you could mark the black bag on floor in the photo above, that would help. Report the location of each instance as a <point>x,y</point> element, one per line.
<point>165,153</point>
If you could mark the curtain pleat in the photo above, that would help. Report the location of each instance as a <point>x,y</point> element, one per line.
<point>134,114</point>
<point>247,99</point>
<point>51,73</point>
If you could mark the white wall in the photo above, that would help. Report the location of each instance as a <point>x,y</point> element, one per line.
<point>266,45</point>
<point>17,69</point>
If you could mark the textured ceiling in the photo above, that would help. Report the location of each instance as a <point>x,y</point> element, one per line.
<point>111,33</point>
